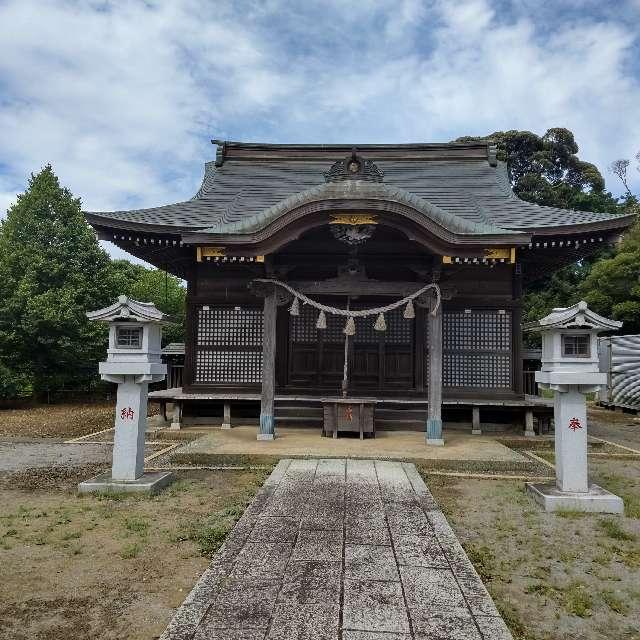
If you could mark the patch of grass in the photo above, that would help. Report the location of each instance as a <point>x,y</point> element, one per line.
<point>136,525</point>
<point>131,551</point>
<point>71,535</point>
<point>513,621</point>
<point>483,560</point>
<point>613,529</point>
<point>208,537</point>
<point>614,602</point>
<point>569,514</point>
<point>541,589</point>
<point>604,558</point>
<point>577,600</point>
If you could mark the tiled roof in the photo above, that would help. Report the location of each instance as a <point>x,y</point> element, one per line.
<point>455,180</point>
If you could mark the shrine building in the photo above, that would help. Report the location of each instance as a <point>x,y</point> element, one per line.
<point>280,236</point>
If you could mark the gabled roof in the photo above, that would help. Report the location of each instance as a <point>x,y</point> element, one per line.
<point>578,315</point>
<point>128,309</point>
<point>460,182</point>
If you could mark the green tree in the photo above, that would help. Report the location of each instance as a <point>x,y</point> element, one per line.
<point>546,170</point>
<point>152,285</point>
<point>613,285</point>
<point>52,271</point>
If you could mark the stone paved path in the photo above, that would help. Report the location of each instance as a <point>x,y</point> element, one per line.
<point>340,550</point>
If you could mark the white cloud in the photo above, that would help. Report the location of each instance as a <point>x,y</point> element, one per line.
<point>123,97</point>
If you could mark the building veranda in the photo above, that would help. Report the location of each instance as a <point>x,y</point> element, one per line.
<point>356,229</point>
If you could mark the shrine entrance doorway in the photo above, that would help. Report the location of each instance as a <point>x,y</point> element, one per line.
<point>379,361</point>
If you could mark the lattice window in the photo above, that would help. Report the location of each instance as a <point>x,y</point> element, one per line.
<point>476,370</point>
<point>229,326</point>
<point>303,326</point>
<point>477,331</point>
<point>228,345</point>
<point>228,366</point>
<point>477,348</point>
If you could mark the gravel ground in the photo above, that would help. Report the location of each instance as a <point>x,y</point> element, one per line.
<point>18,456</point>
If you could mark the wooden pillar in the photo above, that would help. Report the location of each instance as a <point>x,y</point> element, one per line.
<point>434,416</point>
<point>266,430</point>
<point>476,427</point>
<point>176,423</point>
<point>528,423</point>
<point>516,319</point>
<point>226,420</point>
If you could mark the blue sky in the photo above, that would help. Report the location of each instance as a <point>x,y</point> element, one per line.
<point>123,97</point>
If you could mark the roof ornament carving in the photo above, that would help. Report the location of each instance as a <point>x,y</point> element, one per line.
<point>354,167</point>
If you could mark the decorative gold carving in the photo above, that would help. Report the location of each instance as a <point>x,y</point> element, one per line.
<point>446,260</point>
<point>259,258</point>
<point>353,219</point>
<point>210,252</point>
<point>497,254</point>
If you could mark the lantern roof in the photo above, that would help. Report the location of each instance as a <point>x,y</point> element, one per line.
<point>128,309</point>
<point>577,316</point>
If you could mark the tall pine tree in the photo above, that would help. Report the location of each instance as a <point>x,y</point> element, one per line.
<point>52,270</point>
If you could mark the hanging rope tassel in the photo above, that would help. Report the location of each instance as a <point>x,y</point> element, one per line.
<point>409,311</point>
<point>350,327</point>
<point>295,307</point>
<point>322,321</point>
<point>380,324</point>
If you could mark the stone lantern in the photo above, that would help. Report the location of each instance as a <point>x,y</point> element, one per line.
<point>133,361</point>
<point>570,369</point>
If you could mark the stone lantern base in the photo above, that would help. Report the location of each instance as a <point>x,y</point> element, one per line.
<point>596,500</point>
<point>150,483</point>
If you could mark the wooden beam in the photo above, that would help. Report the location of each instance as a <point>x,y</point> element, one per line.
<point>267,425</point>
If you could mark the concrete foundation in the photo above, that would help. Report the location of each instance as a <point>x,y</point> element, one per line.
<point>150,483</point>
<point>595,500</point>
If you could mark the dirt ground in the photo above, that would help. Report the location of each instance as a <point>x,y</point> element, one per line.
<point>63,421</point>
<point>554,577</point>
<point>56,420</point>
<point>107,567</point>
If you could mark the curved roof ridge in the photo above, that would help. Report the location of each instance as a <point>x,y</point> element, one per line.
<point>352,190</point>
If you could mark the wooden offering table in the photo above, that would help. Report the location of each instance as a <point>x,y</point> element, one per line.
<point>348,414</point>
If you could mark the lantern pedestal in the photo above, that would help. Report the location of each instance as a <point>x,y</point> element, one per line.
<point>150,483</point>
<point>595,500</point>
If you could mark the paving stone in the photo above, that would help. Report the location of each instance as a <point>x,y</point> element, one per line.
<point>305,622</point>
<point>318,545</point>
<point>419,551</point>
<point>312,583</point>
<point>367,562</point>
<point>493,628</point>
<point>409,522</point>
<point>317,522</point>
<point>371,605</point>
<point>374,635</point>
<point>436,588</point>
<point>274,529</point>
<point>444,625</point>
<point>229,634</point>
<point>268,559</point>
<point>331,467</point>
<point>367,531</point>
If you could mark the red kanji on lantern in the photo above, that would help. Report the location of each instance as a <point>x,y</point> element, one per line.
<point>574,424</point>
<point>126,413</point>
